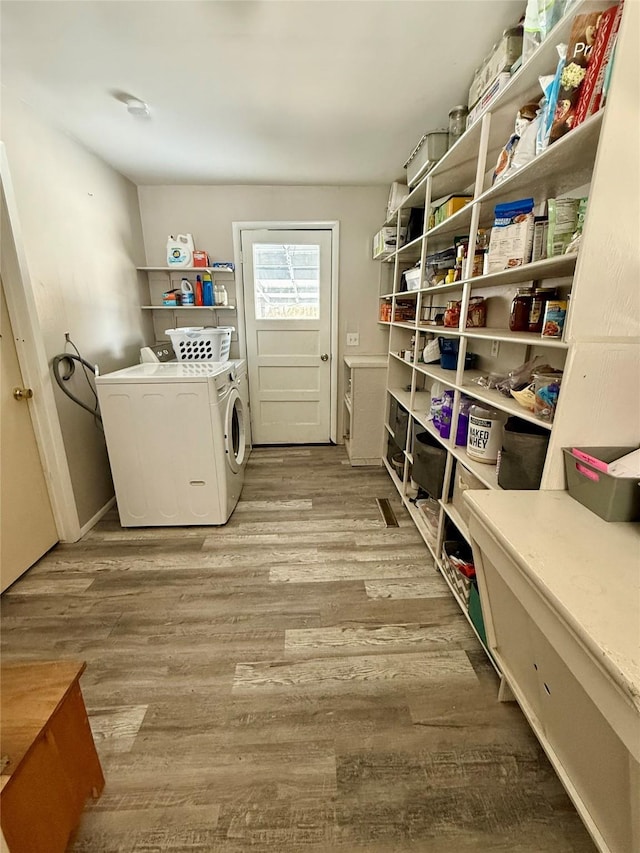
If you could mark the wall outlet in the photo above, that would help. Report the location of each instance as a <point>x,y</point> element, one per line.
<point>353,339</point>
<point>495,348</point>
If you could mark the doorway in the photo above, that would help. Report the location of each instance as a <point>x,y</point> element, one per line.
<point>288,288</point>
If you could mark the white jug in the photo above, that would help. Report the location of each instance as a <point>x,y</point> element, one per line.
<point>180,251</point>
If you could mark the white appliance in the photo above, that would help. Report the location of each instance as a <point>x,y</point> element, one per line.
<point>176,441</point>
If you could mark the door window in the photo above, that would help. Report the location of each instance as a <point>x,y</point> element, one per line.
<point>286,281</point>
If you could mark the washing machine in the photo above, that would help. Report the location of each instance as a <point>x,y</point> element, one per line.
<point>176,440</point>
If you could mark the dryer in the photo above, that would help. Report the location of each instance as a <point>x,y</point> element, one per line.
<point>176,441</point>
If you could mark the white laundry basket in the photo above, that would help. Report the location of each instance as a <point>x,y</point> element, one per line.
<point>201,343</point>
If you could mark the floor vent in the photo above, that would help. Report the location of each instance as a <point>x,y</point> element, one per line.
<point>388,515</point>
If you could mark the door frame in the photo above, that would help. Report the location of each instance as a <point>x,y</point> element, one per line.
<point>34,366</point>
<point>334,227</point>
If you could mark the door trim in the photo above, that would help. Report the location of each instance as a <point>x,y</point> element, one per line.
<point>334,227</point>
<point>21,305</point>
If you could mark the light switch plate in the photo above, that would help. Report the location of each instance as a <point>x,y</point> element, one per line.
<point>353,339</point>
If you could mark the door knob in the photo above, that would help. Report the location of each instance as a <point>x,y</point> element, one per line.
<point>22,393</point>
<point>324,357</point>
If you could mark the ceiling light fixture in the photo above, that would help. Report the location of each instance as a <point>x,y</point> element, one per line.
<point>137,108</point>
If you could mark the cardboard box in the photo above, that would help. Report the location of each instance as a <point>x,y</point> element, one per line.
<point>487,97</point>
<point>385,241</point>
<point>511,245</point>
<point>200,259</point>
<point>452,205</point>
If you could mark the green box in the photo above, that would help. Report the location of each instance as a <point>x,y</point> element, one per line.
<point>475,611</point>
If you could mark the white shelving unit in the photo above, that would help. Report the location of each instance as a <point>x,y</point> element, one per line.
<point>158,280</point>
<point>363,407</point>
<point>599,402</point>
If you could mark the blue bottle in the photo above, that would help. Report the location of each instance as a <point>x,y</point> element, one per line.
<point>207,289</point>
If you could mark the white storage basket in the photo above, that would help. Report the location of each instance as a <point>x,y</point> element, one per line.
<point>201,343</point>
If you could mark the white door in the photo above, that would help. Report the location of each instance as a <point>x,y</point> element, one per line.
<point>287,303</point>
<point>27,527</point>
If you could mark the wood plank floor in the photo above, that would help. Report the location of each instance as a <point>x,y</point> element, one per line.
<point>298,680</point>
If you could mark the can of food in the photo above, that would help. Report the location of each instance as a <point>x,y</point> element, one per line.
<point>554,316</point>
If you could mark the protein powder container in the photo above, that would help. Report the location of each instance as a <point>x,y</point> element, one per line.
<point>486,429</point>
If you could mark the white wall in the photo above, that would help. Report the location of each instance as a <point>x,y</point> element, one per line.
<point>207,213</point>
<point>81,227</point>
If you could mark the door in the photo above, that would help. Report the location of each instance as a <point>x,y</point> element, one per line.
<point>27,528</point>
<point>287,298</point>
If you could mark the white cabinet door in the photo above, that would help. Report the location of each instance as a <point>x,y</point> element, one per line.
<point>287,298</point>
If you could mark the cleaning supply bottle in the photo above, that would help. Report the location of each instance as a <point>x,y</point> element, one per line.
<point>198,291</point>
<point>222,298</point>
<point>186,291</point>
<point>207,289</point>
<point>180,251</point>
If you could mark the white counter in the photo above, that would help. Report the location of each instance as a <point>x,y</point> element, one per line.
<point>560,592</point>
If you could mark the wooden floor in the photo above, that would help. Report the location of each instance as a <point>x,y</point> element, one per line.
<point>298,680</point>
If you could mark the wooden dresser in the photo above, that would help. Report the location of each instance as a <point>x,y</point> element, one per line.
<point>49,760</point>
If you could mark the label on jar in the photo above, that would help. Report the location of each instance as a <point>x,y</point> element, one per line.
<point>485,439</point>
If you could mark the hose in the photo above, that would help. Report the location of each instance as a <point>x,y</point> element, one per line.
<point>68,358</point>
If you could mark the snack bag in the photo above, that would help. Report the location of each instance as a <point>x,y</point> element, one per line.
<point>581,41</point>
<point>551,101</point>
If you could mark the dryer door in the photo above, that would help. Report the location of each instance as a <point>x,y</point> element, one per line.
<point>235,440</point>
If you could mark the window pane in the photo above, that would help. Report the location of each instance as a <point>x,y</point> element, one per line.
<point>286,281</point>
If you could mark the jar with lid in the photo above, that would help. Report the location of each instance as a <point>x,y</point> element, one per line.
<point>541,295</point>
<point>486,431</point>
<point>520,310</point>
<point>452,314</point>
<point>457,123</point>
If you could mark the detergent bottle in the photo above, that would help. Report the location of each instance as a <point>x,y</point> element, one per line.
<point>186,290</point>
<point>180,251</point>
<point>198,291</point>
<point>207,289</point>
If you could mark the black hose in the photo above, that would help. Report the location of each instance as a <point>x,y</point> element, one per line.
<point>69,358</point>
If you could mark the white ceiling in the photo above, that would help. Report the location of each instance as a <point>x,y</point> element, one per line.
<point>250,91</point>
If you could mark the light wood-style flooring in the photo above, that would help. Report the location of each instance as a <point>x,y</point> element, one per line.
<point>297,681</point>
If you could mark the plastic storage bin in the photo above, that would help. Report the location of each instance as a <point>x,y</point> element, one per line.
<point>449,354</point>
<point>427,152</point>
<point>400,426</point>
<point>612,498</point>
<point>429,458</point>
<point>460,583</point>
<point>463,481</point>
<point>412,278</point>
<point>200,343</point>
<point>524,450</point>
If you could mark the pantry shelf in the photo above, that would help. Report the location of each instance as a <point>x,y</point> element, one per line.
<point>532,339</point>
<point>178,270</point>
<point>188,307</point>
<point>457,519</point>
<point>566,164</point>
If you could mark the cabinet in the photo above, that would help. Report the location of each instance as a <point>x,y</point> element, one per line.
<point>363,407</point>
<point>599,353</point>
<point>158,280</point>
<point>567,644</point>
<point>50,763</point>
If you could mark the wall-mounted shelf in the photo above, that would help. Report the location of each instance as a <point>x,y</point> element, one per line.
<point>188,307</point>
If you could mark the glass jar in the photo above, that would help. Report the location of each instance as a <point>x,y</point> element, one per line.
<point>541,295</point>
<point>452,314</point>
<point>457,123</point>
<point>520,310</point>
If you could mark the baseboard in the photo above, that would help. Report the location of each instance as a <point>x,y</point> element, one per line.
<point>96,518</point>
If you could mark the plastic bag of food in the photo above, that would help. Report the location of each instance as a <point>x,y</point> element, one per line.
<point>539,19</point>
<point>526,114</point>
<point>574,244</point>
<point>550,101</point>
<point>520,377</point>
<point>525,150</point>
<point>563,224</point>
